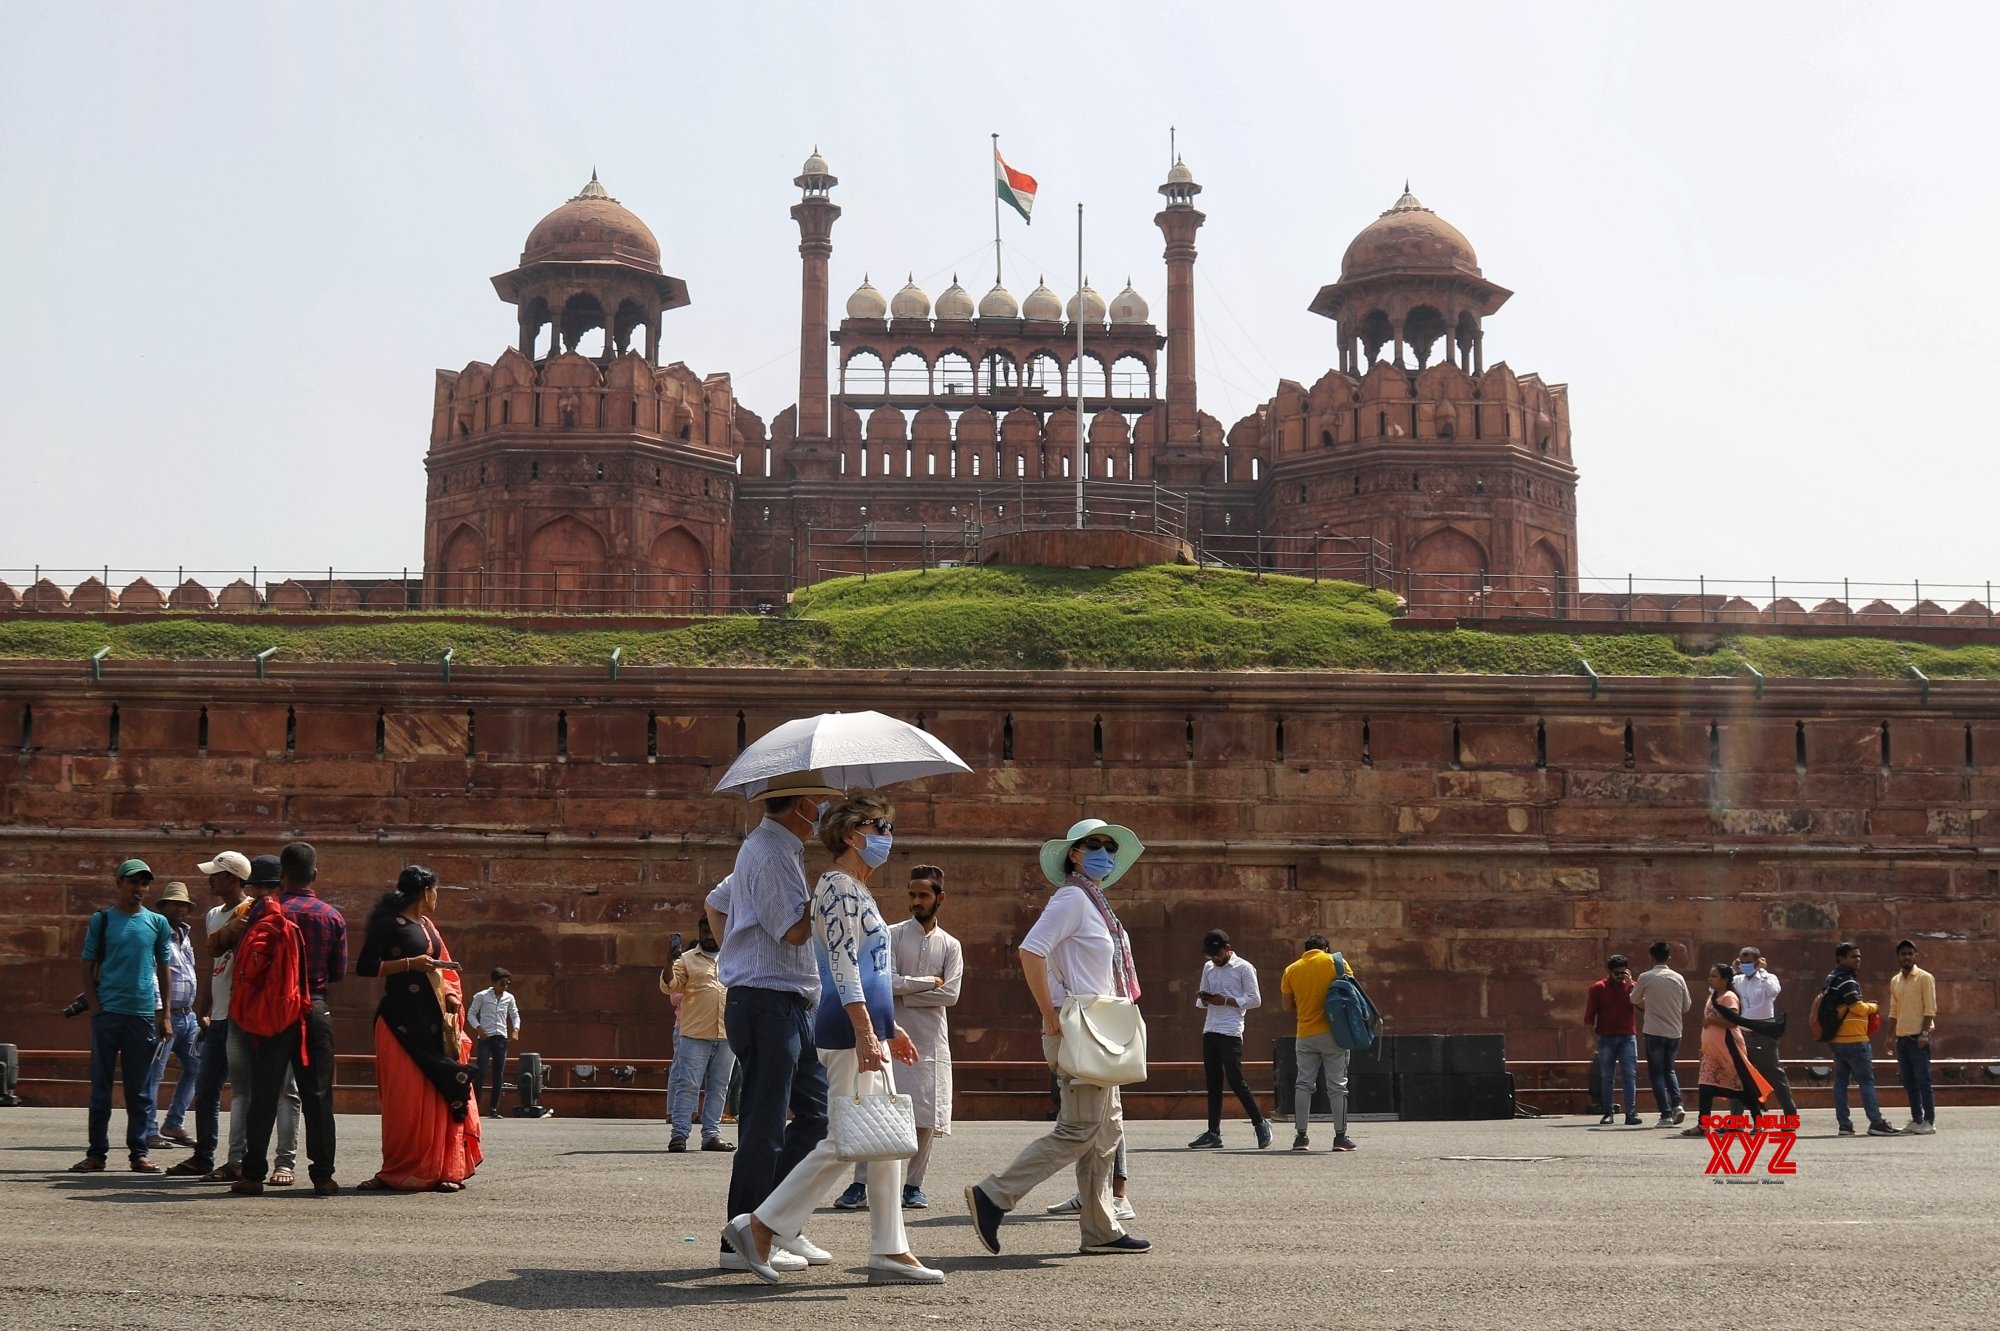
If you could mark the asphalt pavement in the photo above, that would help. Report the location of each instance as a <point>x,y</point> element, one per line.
<point>1552,1222</point>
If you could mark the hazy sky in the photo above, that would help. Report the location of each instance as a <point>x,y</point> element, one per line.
<point>1757,241</point>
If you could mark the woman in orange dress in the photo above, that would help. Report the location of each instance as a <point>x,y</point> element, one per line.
<point>1726,1070</point>
<point>430,1116</point>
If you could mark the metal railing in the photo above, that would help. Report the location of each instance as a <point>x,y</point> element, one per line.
<point>1722,602</point>
<point>1361,559</point>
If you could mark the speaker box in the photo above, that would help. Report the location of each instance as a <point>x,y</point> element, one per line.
<point>1465,1055</point>
<point>1483,1095</point>
<point>1424,1096</point>
<point>1373,1093</point>
<point>1420,1055</point>
<point>1377,1058</point>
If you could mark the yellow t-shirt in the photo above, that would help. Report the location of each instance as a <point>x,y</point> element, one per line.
<point>1307,981</point>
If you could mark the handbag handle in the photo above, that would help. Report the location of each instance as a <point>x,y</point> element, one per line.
<point>885,1072</point>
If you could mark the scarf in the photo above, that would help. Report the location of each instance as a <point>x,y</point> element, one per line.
<point>1123,973</point>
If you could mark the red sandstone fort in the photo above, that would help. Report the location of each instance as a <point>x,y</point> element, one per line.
<point>1477,843</point>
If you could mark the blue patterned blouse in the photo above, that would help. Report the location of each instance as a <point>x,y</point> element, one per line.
<point>852,945</point>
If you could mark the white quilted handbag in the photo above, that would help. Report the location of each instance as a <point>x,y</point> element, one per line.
<point>873,1127</point>
<point>1103,1040</point>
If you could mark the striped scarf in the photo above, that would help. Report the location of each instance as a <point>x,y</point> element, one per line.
<point>1124,974</point>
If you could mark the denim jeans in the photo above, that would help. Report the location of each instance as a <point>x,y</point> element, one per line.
<point>1616,1054</point>
<point>117,1038</point>
<point>1661,1050</point>
<point>1913,1066</point>
<point>1855,1061</point>
<point>271,1057</point>
<point>287,1151</point>
<point>770,1032</point>
<point>186,1050</point>
<point>490,1051</point>
<point>208,1093</point>
<point>701,1068</point>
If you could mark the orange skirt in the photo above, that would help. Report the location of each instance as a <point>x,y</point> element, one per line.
<point>421,1145</point>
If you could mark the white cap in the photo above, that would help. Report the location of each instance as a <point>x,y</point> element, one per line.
<point>228,862</point>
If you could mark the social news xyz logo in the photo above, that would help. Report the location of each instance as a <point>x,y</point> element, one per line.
<point>1736,1142</point>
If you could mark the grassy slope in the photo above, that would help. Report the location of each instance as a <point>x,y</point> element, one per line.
<point>1163,618</point>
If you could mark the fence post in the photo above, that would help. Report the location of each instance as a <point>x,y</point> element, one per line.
<point>1774,599</point>
<point>1702,595</point>
<point>864,552</point>
<point>711,589</point>
<point>923,548</point>
<point>1315,560</point>
<point>1847,599</point>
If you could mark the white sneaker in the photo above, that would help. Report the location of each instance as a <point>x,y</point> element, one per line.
<point>1074,1206</point>
<point>780,1261</point>
<point>1121,1209</point>
<point>804,1249</point>
<point>1921,1129</point>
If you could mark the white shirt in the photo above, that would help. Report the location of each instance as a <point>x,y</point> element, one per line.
<point>1072,936</point>
<point>494,1014</point>
<point>1235,978</point>
<point>1758,992</point>
<point>221,969</point>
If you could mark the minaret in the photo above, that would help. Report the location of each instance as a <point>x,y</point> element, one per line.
<point>815,214</point>
<point>1179,220</point>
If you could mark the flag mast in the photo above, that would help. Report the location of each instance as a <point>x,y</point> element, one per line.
<point>1082,309</point>
<point>996,211</point>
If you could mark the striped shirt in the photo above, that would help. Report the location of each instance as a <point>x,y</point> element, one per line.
<point>325,930</point>
<point>766,895</point>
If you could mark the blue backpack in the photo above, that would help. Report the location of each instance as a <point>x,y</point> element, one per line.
<point>1350,1014</point>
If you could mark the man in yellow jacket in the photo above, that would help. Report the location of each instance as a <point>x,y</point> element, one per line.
<point>1853,1051</point>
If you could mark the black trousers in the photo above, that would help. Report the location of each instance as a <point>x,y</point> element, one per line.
<point>270,1056</point>
<point>1222,1057</point>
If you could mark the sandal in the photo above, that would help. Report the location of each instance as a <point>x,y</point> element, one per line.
<point>373,1185</point>
<point>282,1177</point>
<point>225,1174</point>
<point>90,1164</point>
<point>446,1185</point>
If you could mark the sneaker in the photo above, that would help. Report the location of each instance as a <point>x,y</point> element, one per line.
<point>1074,1206</point>
<point>854,1199</point>
<point>1121,1209</point>
<point>1925,1128</point>
<point>1666,1121</point>
<point>1263,1134</point>
<point>677,1145</point>
<point>802,1248</point>
<point>1604,1120</point>
<point>716,1144</point>
<point>914,1199</point>
<point>1208,1141</point>
<point>1633,1121</point>
<point>1124,1243</point>
<point>1343,1142</point>
<point>1882,1129</point>
<point>1847,1129</point>
<point>1301,1142</point>
<point>986,1218</point>
<point>1680,1114</point>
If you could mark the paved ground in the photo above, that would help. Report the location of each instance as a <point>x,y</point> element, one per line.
<point>1545,1223</point>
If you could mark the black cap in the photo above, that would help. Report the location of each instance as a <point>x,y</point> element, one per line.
<point>1214,942</point>
<point>1906,943</point>
<point>264,871</point>
<point>1617,962</point>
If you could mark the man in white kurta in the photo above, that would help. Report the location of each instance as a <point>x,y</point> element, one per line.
<point>929,965</point>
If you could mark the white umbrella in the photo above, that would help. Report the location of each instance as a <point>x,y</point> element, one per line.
<point>846,748</point>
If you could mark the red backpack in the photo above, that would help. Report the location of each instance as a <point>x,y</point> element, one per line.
<point>268,994</point>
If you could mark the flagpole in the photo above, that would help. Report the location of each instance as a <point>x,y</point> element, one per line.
<point>996,211</point>
<point>1082,309</point>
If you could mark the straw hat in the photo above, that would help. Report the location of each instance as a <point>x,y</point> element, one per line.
<point>1055,854</point>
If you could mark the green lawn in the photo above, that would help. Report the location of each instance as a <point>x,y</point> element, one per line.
<point>1162,618</point>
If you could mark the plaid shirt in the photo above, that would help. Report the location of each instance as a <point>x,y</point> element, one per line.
<point>325,931</point>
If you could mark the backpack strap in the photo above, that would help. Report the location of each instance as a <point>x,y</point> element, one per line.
<point>96,930</point>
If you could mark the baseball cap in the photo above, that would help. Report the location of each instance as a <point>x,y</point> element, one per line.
<point>229,862</point>
<point>264,871</point>
<point>1214,942</point>
<point>135,869</point>
<point>175,892</point>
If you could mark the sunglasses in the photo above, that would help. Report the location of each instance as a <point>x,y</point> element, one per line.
<point>883,826</point>
<point>1099,843</point>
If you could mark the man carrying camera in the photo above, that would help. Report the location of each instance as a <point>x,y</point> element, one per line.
<point>125,953</point>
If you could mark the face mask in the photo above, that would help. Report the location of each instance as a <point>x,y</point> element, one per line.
<point>1748,968</point>
<point>875,849</point>
<point>1098,864</point>
<point>819,812</point>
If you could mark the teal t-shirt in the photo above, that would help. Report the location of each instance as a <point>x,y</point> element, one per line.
<point>127,949</point>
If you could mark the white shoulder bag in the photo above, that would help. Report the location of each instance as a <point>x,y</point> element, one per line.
<point>880,1126</point>
<point>1103,1040</point>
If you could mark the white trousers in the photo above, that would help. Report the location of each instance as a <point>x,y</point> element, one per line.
<point>788,1208</point>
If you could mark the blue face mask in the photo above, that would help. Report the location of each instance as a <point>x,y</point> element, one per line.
<point>1098,864</point>
<point>875,849</point>
<point>1748,968</point>
<point>819,812</point>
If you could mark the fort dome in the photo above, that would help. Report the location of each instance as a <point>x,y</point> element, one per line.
<point>1042,303</point>
<point>955,302</point>
<point>867,302</point>
<point>999,303</point>
<point>1087,305</point>
<point>1408,238</point>
<point>592,227</point>
<point>910,302</point>
<point>1129,307</point>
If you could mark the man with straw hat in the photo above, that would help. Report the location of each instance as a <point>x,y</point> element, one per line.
<point>767,965</point>
<point>1077,946</point>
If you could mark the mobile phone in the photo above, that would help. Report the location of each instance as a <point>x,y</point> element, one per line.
<point>448,966</point>
<point>674,942</point>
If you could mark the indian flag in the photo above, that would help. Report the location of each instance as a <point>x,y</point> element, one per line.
<point>1016,188</point>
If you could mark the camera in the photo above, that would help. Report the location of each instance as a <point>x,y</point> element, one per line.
<point>77,1006</point>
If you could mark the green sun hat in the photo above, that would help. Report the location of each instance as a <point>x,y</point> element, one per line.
<point>1055,853</point>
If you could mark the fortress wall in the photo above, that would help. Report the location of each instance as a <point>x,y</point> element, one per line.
<point>1476,844</point>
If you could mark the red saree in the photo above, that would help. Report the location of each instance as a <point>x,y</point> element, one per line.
<point>427,1140</point>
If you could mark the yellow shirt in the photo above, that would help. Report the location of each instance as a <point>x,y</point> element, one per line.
<point>701,994</point>
<point>1307,981</point>
<point>1911,999</point>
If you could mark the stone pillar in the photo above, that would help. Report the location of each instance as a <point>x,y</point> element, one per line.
<point>1179,222</point>
<point>815,216</point>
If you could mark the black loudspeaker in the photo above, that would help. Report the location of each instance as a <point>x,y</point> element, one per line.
<point>1424,1096</point>
<point>1483,1095</point>
<point>530,1075</point>
<point>1378,1058</point>
<point>1465,1055</point>
<point>1420,1055</point>
<point>1371,1093</point>
<point>10,1075</point>
<point>1285,1079</point>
